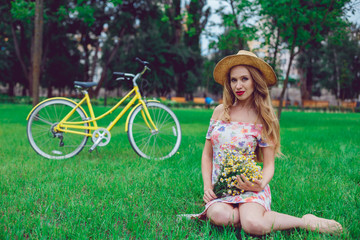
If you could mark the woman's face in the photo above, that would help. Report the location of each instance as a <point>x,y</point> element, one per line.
<point>241,83</point>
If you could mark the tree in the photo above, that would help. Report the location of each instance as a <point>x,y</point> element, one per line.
<point>36,63</point>
<point>333,64</point>
<point>150,41</point>
<point>238,29</point>
<point>196,20</point>
<point>89,24</point>
<point>8,68</point>
<point>156,31</point>
<point>22,13</point>
<point>342,60</point>
<point>309,61</point>
<point>161,37</point>
<point>22,37</point>
<point>301,22</point>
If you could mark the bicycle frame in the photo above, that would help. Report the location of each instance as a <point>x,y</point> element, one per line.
<point>70,127</point>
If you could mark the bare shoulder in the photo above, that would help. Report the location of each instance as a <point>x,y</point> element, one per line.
<point>218,112</point>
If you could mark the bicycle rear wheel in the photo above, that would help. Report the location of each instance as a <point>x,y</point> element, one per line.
<point>42,137</point>
<point>150,144</point>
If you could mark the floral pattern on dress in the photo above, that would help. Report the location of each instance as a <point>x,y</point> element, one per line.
<point>235,136</point>
<point>242,137</point>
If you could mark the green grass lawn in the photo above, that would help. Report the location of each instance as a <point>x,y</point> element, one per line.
<point>114,194</point>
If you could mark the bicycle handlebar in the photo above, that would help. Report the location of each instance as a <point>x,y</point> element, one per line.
<point>145,63</point>
<point>130,76</point>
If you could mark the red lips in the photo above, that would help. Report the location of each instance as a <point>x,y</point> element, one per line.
<point>239,93</point>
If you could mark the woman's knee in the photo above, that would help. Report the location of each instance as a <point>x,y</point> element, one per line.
<point>254,226</point>
<point>223,215</point>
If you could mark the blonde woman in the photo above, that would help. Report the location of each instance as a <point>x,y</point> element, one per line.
<point>246,120</point>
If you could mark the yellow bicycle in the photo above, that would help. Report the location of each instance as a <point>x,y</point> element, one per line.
<point>58,128</point>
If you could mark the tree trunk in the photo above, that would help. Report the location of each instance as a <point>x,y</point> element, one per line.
<point>240,40</point>
<point>93,65</point>
<point>18,52</point>
<point>273,64</point>
<point>292,55</point>
<point>84,42</point>
<point>176,22</point>
<point>49,91</point>
<point>10,90</point>
<point>38,31</point>
<point>23,91</point>
<point>309,81</point>
<point>109,60</point>
<point>105,97</point>
<point>176,27</point>
<point>306,82</point>
<point>337,77</point>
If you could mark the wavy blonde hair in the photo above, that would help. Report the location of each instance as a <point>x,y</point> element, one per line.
<point>262,105</point>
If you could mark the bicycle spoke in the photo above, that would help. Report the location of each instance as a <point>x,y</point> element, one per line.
<point>147,144</point>
<point>42,137</point>
<point>163,139</point>
<point>42,128</point>
<point>170,124</point>
<point>43,120</point>
<point>157,145</point>
<point>56,116</point>
<point>61,113</point>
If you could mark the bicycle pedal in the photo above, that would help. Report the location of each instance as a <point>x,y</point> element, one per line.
<point>96,143</point>
<point>93,147</point>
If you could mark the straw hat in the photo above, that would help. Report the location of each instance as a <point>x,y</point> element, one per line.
<point>247,58</point>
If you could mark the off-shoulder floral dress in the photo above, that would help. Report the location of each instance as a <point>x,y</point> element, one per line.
<point>237,136</point>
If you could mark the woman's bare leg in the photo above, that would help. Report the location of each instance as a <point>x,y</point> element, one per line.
<point>255,220</point>
<point>323,225</point>
<point>223,214</point>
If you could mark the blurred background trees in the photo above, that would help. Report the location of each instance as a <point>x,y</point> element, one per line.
<point>86,40</point>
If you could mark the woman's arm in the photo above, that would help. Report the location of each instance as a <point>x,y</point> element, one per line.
<point>268,172</point>
<point>268,165</point>
<point>206,161</point>
<point>206,170</point>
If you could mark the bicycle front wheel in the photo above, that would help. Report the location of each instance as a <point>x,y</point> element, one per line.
<point>45,140</point>
<point>151,144</point>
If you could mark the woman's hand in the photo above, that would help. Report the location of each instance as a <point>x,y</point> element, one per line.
<point>209,195</point>
<point>246,185</point>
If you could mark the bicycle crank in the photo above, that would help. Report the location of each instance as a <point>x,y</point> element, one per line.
<point>100,137</point>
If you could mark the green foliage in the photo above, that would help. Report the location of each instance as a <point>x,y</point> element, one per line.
<point>62,13</point>
<point>158,31</point>
<point>297,24</point>
<point>301,22</point>
<point>85,13</point>
<point>175,59</point>
<point>208,81</point>
<point>144,29</point>
<point>151,46</point>
<point>333,64</point>
<point>116,2</point>
<point>238,30</point>
<point>23,10</point>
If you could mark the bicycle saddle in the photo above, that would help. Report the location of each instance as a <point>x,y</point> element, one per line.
<point>85,84</point>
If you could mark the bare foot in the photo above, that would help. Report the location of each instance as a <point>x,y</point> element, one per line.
<point>322,225</point>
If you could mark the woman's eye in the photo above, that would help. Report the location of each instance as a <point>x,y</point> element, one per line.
<point>245,79</point>
<point>233,80</point>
